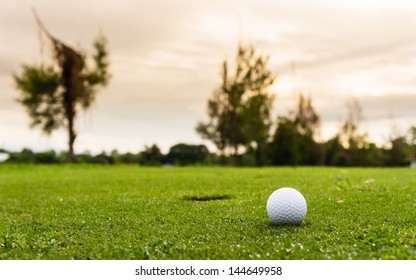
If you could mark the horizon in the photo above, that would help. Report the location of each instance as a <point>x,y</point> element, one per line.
<point>164,71</point>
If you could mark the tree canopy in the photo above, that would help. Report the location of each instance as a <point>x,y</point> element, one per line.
<point>52,93</point>
<point>239,110</point>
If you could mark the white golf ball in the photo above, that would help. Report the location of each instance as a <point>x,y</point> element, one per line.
<point>286,206</point>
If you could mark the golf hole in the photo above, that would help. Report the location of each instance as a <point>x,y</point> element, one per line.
<point>207,197</point>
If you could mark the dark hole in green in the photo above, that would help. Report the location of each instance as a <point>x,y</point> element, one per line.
<point>207,197</point>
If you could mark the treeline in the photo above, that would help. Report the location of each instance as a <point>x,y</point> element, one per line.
<point>294,141</point>
<point>288,147</point>
<point>180,155</point>
<point>240,124</point>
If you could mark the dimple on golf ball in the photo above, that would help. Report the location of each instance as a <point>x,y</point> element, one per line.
<point>286,206</point>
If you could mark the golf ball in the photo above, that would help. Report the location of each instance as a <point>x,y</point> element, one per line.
<point>286,206</point>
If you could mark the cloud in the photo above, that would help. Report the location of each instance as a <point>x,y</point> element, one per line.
<point>389,105</point>
<point>351,56</point>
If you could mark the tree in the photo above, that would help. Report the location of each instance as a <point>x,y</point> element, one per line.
<point>356,146</point>
<point>151,156</point>
<point>307,125</point>
<point>46,157</point>
<point>399,153</point>
<point>129,158</point>
<point>349,134</point>
<point>52,94</point>
<point>293,141</point>
<point>307,120</point>
<point>285,143</point>
<point>335,153</point>
<point>185,154</point>
<point>412,140</point>
<point>257,122</point>
<point>239,110</point>
<point>24,156</point>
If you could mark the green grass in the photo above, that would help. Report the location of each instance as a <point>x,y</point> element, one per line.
<point>130,212</point>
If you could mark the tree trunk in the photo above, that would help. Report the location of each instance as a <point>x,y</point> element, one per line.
<point>71,140</point>
<point>69,103</point>
<point>71,68</point>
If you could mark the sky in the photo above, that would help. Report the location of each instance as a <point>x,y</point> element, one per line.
<point>166,56</point>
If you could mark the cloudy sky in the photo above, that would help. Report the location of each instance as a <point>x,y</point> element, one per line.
<point>166,56</point>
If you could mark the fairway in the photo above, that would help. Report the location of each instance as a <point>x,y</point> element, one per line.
<point>132,212</point>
